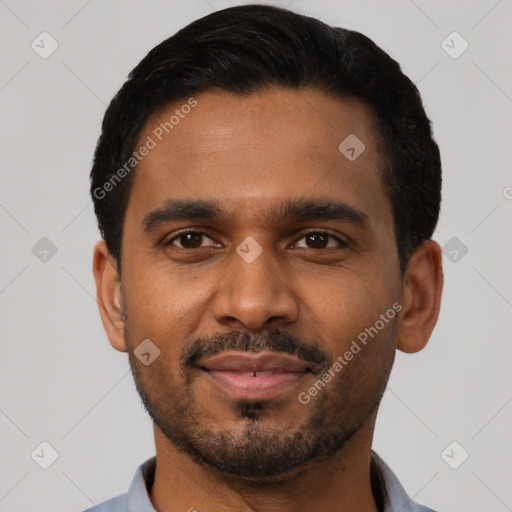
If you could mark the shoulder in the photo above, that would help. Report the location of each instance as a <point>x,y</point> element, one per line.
<point>117,504</point>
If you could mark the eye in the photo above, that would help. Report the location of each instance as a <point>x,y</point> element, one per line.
<point>190,240</point>
<point>321,240</point>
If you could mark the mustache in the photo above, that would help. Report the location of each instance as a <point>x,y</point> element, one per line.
<point>275,340</point>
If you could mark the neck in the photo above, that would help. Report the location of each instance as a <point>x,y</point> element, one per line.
<point>339,483</point>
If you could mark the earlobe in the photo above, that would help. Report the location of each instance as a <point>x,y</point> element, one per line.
<point>421,297</point>
<point>108,295</point>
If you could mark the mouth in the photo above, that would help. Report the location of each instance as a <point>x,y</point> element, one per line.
<point>249,376</point>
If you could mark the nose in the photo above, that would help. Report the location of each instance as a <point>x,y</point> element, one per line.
<point>254,295</point>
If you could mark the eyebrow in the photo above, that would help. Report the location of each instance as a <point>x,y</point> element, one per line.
<point>306,210</point>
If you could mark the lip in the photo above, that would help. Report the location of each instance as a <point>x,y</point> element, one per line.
<point>262,362</point>
<point>254,376</point>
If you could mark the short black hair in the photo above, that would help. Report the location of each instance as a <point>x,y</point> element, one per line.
<point>247,48</point>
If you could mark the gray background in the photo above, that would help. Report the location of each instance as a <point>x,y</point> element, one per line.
<point>60,380</point>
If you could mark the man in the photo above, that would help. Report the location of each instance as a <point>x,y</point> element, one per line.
<point>266,187</point>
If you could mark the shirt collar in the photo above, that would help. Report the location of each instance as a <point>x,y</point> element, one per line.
<point>395,497</point>
<point>138,495</point>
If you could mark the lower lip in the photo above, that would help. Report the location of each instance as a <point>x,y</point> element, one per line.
<point>250,387</point>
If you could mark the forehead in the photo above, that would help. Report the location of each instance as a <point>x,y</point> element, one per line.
<point>248,152</point>
<point>226,123</point>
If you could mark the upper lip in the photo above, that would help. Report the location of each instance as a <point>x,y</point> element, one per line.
<point>261,362</point>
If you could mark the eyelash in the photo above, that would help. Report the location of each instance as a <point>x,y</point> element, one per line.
<point>342,244</point>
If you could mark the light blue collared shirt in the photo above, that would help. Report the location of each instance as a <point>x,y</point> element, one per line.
<point>137,497</point>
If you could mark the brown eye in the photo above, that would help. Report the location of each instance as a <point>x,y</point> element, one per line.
<point>321,240</point>
<point>189,240</point>
<point>316,240</point>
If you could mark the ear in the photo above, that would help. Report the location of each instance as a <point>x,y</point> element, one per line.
<point>108,295</point>
<point>421,297</point>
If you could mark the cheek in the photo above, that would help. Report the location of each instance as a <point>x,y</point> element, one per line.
<point>352,327</point>
<point>163,297</point>
<point>353,303</point>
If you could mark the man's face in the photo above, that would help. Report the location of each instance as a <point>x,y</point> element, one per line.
<point>249,275</point>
